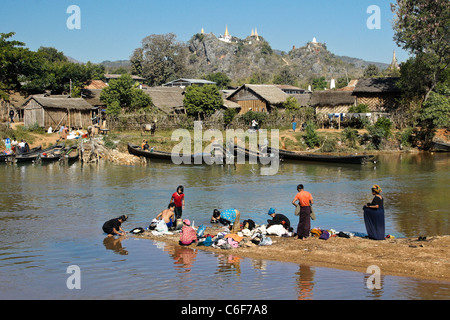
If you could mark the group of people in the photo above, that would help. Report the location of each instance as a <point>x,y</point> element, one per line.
<point>303,200</point>
<point>13,146</point>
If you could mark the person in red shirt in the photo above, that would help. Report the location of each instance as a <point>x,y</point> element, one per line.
<point>178,199</point>
<point>305,200</point>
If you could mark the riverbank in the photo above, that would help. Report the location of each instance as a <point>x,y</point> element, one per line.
<point>407,257</point>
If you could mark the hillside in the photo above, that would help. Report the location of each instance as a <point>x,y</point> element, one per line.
<point>241,59</point>
<point>253,59</point>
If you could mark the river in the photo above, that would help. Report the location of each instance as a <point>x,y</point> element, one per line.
<point>51,218</point>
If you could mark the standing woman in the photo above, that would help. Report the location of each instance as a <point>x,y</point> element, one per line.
<point>374,215</point>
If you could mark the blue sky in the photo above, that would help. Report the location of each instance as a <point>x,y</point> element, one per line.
<point>112,29</point>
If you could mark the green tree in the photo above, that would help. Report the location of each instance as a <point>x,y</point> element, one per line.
<point>16,64</point>
<point>436,112</point>
<point>122,94</point>
<point>319,83</point>
<point>422,27</point>
<point>201,101</point>
<point>221,79</point>
<point>291,104</point>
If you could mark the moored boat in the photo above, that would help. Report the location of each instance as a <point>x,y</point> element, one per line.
<point>297,156</point>
<point>440,146</point>
<point>34,155</point>
<point>218,157</point>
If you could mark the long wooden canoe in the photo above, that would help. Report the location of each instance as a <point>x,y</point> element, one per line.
<point>297,156</point>
<point>196,158</point>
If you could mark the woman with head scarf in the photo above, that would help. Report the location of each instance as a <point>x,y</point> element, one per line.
<point>374,215</point>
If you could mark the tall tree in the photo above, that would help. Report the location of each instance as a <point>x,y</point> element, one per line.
<point>422,28</point>
<point>161,58</point>
<point>16,64</point>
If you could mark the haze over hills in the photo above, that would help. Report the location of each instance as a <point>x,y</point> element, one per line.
<point>252,59</point>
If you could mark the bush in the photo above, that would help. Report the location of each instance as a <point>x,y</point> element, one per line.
<point>385,124</point>
<point>405,137</point>
<point>311,138</point>
<point>350,136</point>
<point>329,145</point>
<point>376,136</point>
<point>250,115</point>
<point>228,116</point>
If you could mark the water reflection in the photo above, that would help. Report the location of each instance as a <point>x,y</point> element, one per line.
<point>305,282</point>
<point>115,244</point>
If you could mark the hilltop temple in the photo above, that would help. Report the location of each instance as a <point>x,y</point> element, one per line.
<point>226,37</point>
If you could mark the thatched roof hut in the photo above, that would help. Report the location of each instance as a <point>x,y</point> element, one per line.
<point>167,99</point>
<point>379,94</point>
<point>258,97</point>
<point>54,111</point>
<point>331,101</point>
<point>304,99</point>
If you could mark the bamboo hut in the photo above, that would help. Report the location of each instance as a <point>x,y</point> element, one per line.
<point>55,111</point>
<point>379,94</point>
<point>258,97</point>
<point>331,101</point>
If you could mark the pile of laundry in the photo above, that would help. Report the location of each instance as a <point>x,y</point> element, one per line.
<point>325,234</point>
<point>250,235</point>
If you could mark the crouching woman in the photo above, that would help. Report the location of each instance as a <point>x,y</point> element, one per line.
<point>188,234</point>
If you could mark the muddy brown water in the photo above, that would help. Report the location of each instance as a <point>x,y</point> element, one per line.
<point>51,217</point>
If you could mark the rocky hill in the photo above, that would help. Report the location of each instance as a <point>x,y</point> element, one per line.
<point>242,59</point>
<point>252,60</point>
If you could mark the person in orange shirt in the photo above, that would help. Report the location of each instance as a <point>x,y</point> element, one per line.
<point>305,200</point>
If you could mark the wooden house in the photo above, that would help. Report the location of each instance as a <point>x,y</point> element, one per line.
<point>332,101</point>
<point>55,111</point>
<point>258,97</point>
<point>379,94</point>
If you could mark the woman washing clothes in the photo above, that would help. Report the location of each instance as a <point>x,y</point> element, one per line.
<point>374,215</point>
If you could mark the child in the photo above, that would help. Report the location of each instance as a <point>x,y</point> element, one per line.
<point>178,199</point>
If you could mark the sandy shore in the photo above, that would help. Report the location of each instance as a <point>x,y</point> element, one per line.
<point>405,257</point>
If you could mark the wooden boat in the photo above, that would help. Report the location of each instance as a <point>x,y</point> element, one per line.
<point>196,158</point>
<point>439,146</point>
<point>34,155</point>
<point>4,157</point>
<point>10,157</point>
<point>296,156</point>
<point>249,155</point>
<point>69,155</point>
<point>52,155</point>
